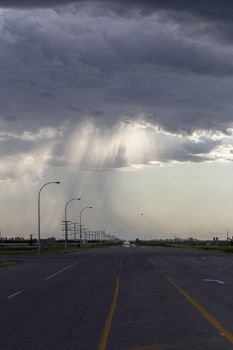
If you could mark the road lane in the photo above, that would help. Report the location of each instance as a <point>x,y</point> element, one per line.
<point>58,313</point>
<point>80,306</point>
<point>150,314</point>
<point>29,272</point>
<point>217,298</point>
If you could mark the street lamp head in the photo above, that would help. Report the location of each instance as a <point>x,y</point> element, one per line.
<point>57,182</point>
<point>79,199</point>
<point>90,207</point>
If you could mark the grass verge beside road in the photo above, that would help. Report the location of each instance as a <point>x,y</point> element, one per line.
<point>7,263</point>
<point>223,248</point>
<point>17,249</point>
<point>211,248</point>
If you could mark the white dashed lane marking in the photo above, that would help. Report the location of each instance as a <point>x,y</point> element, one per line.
<point>14,295</point>
<point>216,281</point>
<point>62,270</point>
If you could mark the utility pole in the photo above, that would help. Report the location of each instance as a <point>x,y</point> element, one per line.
<point>66,222</point>
<point>75,231</point>
<point>66,229</point>
<point>80,223</point>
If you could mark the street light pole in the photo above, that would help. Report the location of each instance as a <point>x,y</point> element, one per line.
<point>80,222</point>
<point>39,241</point>
<point>66,223</point>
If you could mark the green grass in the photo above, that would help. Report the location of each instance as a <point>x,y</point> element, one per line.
<point>220,248</point>
<point>197,245</point>
<point>53,249</point>
<point>7,263</point>
<point>23,250</point>
<point>17,250</point>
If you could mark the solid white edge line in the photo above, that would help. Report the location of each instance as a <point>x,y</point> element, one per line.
<point>13,295</point>
<point>60,271</point>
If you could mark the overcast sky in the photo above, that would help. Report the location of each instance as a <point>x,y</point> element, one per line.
<point>129,104</point>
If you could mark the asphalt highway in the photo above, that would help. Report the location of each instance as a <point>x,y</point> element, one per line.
<point>118,298</point>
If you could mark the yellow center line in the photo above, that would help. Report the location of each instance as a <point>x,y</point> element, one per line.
<point>108,322</point>
<point>201,309</point>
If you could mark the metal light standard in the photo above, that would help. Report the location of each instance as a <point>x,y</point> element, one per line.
<point>48,183</point>
<point>66,222</point>
<point>80,222</point>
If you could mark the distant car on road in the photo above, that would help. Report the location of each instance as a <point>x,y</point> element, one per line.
<point>126,244</point>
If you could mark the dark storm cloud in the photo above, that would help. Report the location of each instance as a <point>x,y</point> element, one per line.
<point>161,66</point>
<point>97,114</point>
<point>9,118</point>
<point>48,95</point>
<point>204,146</point>
<point>74,109</point>
<point>14,147</point>
<point>212,11</point>
<point>33,3</point>
<point>182,157</point>
<point>89,60</point>
<point>189,150</point>
<point>208,8</point>
<point>217,11</point>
